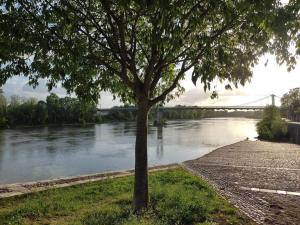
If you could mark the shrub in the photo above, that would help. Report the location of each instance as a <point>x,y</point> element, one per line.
<point>272,127</point>
<point>3,122</point>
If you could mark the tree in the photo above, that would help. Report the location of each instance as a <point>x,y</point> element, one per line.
<point>140,50</point>
<point>41,113</point>
<point>27,111</point>
<point>53,108</point>
<point>272,127</point>
<point>21,113</point>
<point>3,107</point>
<point>87,112</point>
<point>290,103</point>
<point>15,101</point>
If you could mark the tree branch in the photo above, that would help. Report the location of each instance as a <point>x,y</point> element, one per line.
<point>184,68</point>
<point>172,87</point>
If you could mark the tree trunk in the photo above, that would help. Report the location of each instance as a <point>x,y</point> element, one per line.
<point>141,161</point>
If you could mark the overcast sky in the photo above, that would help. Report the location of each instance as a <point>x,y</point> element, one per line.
<point>266,80</point>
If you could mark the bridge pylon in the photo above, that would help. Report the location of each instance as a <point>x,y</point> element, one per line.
<point>159,117</point>
<point>273,99</point>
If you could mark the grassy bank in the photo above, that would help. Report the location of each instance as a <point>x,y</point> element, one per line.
<point>177,197</point>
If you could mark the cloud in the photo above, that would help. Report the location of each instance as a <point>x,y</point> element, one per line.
<point>19,86</point>
<point>193,96</point>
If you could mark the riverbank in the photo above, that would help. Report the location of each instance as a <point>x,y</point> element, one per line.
<point>261,178</point>
<point>17,189</point>
<point>121,120</point>
<point>177,197</point>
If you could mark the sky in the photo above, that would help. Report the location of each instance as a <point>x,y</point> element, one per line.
<point>266,80</point>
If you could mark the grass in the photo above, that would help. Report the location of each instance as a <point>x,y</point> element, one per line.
<point>177,197</point>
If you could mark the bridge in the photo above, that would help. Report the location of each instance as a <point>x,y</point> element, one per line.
<point>242,107</point>
<point>189,107</point>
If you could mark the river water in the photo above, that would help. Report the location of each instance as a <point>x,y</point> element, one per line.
<point>31,154</point>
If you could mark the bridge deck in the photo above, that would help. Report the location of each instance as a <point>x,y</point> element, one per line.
<point>189,108</point>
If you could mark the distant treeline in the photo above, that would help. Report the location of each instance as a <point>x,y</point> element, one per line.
<point>54,110</point>
<point>208,113</point>
<point>182,113</point>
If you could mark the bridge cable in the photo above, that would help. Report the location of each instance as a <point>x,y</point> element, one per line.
<point>254,101</point>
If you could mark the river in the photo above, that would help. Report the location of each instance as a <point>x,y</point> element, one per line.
<point>31,154</point>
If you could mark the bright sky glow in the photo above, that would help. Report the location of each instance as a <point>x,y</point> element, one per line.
<point>266,80</point>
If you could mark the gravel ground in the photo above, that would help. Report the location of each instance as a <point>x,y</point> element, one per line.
<point>256,164</point>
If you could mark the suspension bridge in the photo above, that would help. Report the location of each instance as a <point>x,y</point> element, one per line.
<point>252,105</point>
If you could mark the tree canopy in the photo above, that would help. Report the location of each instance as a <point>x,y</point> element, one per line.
<point>128,46</point>
<point>290,103</point>
<point>67,110</point>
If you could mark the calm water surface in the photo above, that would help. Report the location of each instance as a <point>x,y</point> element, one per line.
<point>50,152</point>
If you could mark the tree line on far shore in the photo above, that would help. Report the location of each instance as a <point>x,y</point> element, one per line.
<point>55,110</point>
<point>18,111</point>
<point>116,114</point>
<point>290,105</point>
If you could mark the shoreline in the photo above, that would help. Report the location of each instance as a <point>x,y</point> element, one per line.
<point>17,189</point>
<point>112,121</point>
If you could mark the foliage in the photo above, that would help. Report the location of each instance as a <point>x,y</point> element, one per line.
<point>3,107</point>
<point>290,103</point>
<point>54,111</point>
<point>135,49</point>
<point>177,197</point>
<point>272,127</point>
<point>117,114</point>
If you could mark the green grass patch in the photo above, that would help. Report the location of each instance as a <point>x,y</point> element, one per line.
<point>176,196</point>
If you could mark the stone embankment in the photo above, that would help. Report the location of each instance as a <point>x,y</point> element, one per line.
<point>261,178</point>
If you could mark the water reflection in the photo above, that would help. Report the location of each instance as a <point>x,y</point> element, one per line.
<point>160,143</point>
<point>50,152</point>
